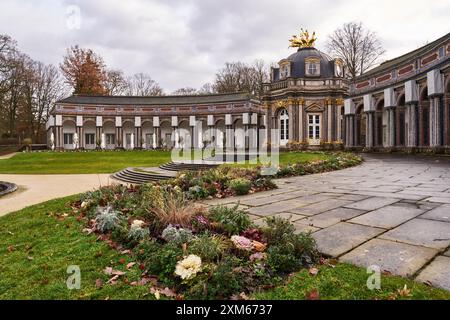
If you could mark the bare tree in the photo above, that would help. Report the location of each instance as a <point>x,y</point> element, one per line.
<point>115,83</point>
<point>207,88</point>
<point>185,91</point>
<point>142,84</point>
<point>238,76</point>
<point>358,47</point>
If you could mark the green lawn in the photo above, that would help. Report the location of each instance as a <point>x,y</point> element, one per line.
<point>38,243</point>
<point>81,162</point>
<point>105,161</point>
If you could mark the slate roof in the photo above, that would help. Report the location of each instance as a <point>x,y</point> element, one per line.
<point>158,100</point>
<point>408,57</point>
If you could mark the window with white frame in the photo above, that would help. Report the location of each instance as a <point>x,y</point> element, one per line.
<point>284,127</point>
<point>89,138</point>
<point>312,67</point>
<point>68,138</point>
<point>110,138</point>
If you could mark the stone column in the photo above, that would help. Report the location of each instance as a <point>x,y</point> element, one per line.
<point>391,127</point>
<point>412,126</point>
<point>330,122</point>
<point>446,129</point>
<point>301,136</point>
<point>435,122</point>
<point>338,121</point>
<point>290,110</point>
<point>369,130</point>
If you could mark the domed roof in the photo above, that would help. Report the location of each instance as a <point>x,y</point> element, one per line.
<point>298,62</point>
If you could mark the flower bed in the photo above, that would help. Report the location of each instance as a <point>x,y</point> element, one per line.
<point>189,252</point>
<point>336,161</point>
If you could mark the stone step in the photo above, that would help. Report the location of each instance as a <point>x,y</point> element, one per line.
<point>129,175</point>
<point>171,166</point>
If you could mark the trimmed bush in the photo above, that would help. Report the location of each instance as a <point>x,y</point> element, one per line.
<point>240,186</point>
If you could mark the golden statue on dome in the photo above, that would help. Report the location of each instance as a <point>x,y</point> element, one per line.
<point>303,40</point>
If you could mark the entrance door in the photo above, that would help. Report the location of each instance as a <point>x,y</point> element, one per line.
<point>284,127</point>
<point>314,124</point>
<point>149,140</point>
<point>128,141</point>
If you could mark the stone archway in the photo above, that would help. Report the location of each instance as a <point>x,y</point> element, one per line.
<point>400,120</point>
<point>378,127</point>
<point>361,122</point>
<point>424,118</point>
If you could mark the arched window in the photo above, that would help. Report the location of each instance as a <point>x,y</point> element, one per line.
<point>284,127</point>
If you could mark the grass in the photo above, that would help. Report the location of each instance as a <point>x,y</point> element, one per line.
<point>38,243</point>
<point>81,162</point>
<point>105,161</point>
<point>347,282</point>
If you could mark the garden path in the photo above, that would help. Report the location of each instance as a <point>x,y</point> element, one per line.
<point>392,212</point>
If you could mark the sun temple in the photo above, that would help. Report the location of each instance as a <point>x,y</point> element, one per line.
<point>403,104</point>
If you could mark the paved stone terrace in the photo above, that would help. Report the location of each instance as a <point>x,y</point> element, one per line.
<point>392,211</point>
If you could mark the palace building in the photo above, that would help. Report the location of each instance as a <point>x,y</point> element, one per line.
<point>401,104</point>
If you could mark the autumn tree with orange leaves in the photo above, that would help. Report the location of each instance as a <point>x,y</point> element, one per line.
<point>85,71</point>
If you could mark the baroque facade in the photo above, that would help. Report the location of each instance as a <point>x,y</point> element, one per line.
<point>402,104</point>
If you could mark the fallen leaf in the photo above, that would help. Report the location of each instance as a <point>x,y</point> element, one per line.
<point>113,280</point>
<point>313,295</point>
<point>125,251</point>
<point>30,258</point>
<point>313,271</point>
<point>141,267</point>
<point>122,261</point>
<point>130,265</point>
<point>110,271</point>
<point>99,283</point>
<point>405,292</point>
<point>10,248</point>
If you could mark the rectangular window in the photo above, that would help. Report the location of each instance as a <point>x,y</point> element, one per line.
<point>149,140</point>
<point>68,138</point>
<point>110,138</point>
<point>89,138</point>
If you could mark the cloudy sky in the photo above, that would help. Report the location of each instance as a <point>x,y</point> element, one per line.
<point>183,42</point>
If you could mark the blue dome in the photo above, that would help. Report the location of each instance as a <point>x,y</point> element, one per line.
<point>298,63</point>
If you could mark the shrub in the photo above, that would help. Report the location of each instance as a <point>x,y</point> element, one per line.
<point>282,259</point>
<point>107,219</point>
<point>197,192</point>
<point>137,232</point>
<point>223,283</point>
<point>287,250</point>
<point>159,259</point>
<point>171,207</point>
<point>177,235</point>
<point>209,247</point>
<point>240,186</point>
<point>231,220</point>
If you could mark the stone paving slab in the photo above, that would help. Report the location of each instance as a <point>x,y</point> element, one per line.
<point>372,203</point>
<point>353,197</point>
<point>422,232</point>
<point>439,199</point>
<point>397,258</point>
<point>277,207</point>
<point>437,273</point>
<point>320,207</point>
<point>387,217</point>
<point>301,227</point>
<point>441,213</point>
<point>329,218</point>
<point>342,237</point>
<point>289,216</point>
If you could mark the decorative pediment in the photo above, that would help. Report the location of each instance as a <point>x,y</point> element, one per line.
<point>314,108</point>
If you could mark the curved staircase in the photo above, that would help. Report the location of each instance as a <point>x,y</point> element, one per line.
<point>129,175</point>
<point>178,166</point>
